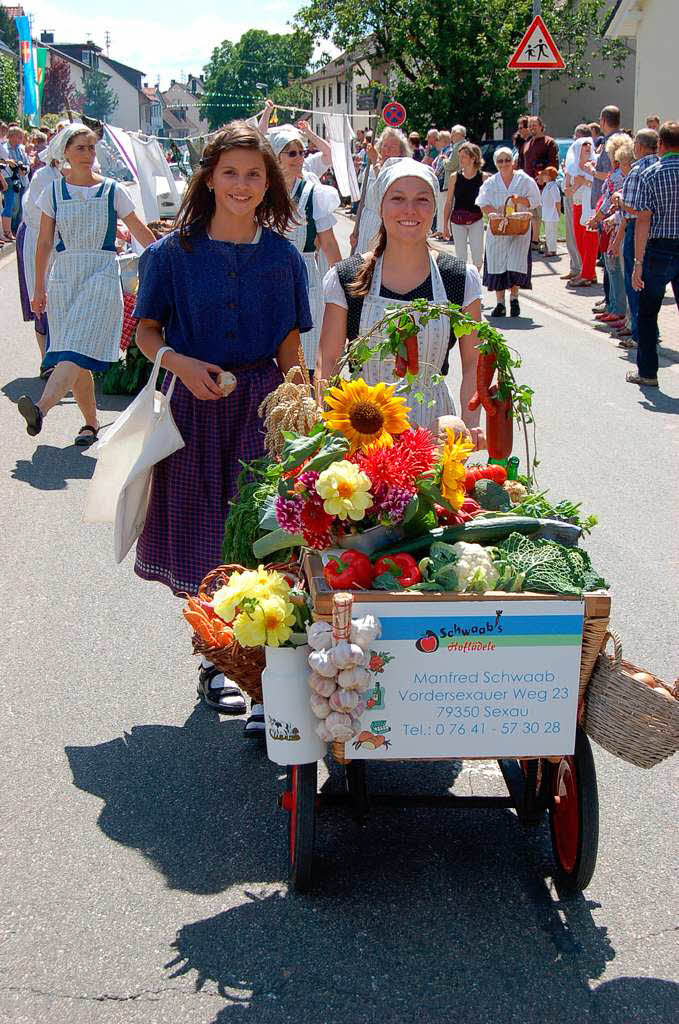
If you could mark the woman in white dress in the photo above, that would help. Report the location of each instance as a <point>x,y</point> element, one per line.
<point>402,267</point>
<point>391,144</point>
<point>83,295</point>
<point>507,262</point>
<point>313,227</point>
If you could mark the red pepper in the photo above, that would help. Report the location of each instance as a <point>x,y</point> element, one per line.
<point>496,473</point>
<point>412,354</point>
<point>403,566</point>
<point>470,507</point>
<point>401,364</point>
<point>485,368</point>
<point>450,517</point>
<point>351,571</point>
<point>500,428</point>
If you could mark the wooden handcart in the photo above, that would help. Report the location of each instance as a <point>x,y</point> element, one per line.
<point>563,786</point>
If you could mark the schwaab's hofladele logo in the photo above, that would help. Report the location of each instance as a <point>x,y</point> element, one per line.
<point>462,638</point>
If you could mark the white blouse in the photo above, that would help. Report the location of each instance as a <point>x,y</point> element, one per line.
<point>334,292</point>
<point>494,192</point>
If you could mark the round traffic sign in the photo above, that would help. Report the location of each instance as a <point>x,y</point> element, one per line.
<point>394,114</point>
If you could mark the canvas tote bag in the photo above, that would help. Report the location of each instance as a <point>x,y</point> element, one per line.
<point>144,434</point>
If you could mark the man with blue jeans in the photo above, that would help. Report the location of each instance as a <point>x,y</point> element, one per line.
<point>656,243</point>
<point>646,153</point>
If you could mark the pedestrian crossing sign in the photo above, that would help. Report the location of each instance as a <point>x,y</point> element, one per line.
<point>537,50</point>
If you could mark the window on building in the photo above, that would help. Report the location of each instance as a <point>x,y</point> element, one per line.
<point>323,103</point>
<point>346,93</point>
<point>339,92</point>
<point>318,95</point>
<point>324,130</point>
<point>330,92</point>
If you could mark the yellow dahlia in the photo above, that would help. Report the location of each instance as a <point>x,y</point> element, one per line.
<point>254,583</point>
<point>344,489</point>
<point>268,622</point>
<point>366,415</point>
<point>456,451</point>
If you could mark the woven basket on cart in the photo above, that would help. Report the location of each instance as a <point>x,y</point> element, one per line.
<point>594,632</point>
<point>510,223</point>
<point>242,664</point>
<point>625,716</point>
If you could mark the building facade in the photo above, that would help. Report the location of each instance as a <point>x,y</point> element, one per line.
<point>339,86</point>
<point>181,109</point>
<point>654,27</point>
<point>124,81</point>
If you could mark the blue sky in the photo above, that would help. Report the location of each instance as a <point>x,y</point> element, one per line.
<point>160,37</point>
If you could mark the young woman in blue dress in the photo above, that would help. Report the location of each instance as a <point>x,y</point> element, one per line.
<point>225,291</point>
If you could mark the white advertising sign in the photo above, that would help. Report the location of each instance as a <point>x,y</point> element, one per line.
<point>473,679</point>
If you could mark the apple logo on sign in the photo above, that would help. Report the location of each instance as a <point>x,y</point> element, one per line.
<point>428,643</point>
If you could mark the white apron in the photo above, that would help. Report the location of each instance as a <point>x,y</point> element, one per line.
<point>432,343</point>
<point>507,252</point>
<point>84,297</point>
<point>296,234</point>
<point>370,221</point>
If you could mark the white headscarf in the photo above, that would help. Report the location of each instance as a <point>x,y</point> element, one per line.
<point>572,164</point>
<point>282,135</point>
<point>56,149</point>
<point>403,167</point>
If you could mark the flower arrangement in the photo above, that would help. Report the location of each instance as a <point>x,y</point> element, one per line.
<point>260,607</point>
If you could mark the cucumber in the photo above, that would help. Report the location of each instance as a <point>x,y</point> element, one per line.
<point>476,531</point>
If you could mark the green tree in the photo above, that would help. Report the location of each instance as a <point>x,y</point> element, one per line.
<point>450,58</point>
<point>9,90</point>
<point>98,99</point>
<point>8,31</point>
<point>240,75</point>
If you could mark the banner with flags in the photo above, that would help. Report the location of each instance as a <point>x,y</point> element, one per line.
<point>30,90</point>
<point>41,71</point>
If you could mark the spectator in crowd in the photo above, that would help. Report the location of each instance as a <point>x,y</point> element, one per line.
<point>359,140</point>
<point>656,249</point>
<point>416,146</point>
<point>551,207</point>
<point>595,132</point>
<point>458,135</point>
<point>431,149</point>
<point>653,122</point>
<point>392,143</point>
<point>540,151</point>
<point>578,168</point>
<point>462,215</point>
<point>645,153</point>
<point>609,124</point>
<point>520,139</point>
<point>620,150</point>
<point>582,131</point>
<point>16,177</point>
<point>507,262</point>
<point>439,169</point>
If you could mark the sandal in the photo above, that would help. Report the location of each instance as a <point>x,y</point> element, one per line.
<point>31,413</point>
<point>255,726</point>
<point>86,436</point>
<point>219,693</point>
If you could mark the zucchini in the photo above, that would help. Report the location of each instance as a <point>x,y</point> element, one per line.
<point>476,531</point>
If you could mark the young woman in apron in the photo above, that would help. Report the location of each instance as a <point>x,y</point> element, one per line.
<point>83,294</point>
<point>311,229</point>
<point>402,267</point>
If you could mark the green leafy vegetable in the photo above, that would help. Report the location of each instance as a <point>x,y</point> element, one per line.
<point>544,566</point>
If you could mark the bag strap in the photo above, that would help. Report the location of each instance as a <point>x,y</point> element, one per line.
<point>153,379</point>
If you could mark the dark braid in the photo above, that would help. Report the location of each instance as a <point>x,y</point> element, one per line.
<point>361,283</point>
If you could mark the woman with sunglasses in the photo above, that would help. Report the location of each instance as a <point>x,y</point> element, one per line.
<point>507,263</point>
<point>311,229</point>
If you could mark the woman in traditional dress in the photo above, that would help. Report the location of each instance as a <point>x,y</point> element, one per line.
<point>27,243</point>
<point>83,294</point>
<point>507,263</point>
<point>403,267</point>
<point>312,227</point>
<point>225,291</point>
<point>579,168</point>
<point>391,144</point>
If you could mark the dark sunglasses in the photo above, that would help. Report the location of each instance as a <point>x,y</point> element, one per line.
<point>292,153</point>
<point>503,160</point>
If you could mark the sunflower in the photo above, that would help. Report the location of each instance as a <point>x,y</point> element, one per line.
<point>456,451</point>
<point>366,415</point>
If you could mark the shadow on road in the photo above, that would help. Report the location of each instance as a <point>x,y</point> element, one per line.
<point>416,915</point>
<point>51,468</point>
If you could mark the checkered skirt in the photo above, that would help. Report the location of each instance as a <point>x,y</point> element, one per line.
<point>182,538</point>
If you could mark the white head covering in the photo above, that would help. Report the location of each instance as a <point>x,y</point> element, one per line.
<point>280,136</point>
<point>573,159</point>
<point>403,167</point>
<point>57,147</point>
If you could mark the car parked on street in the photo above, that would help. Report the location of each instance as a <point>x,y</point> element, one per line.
<point>167,205</point>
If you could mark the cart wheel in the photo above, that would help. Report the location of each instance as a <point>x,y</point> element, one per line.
<point>300,801</point>
<point>574,816</point>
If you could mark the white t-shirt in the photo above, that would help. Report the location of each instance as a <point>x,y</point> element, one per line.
<point>122,202</point>
<point>551,195</point>
<point>333,291</point>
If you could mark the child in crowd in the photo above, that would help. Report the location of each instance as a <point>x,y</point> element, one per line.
<point>551,207</point>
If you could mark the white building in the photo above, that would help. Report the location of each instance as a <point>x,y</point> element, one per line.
<point>181,109</point>
<point>336,89</point>
<point>654,24</point>
<point>123,80</point>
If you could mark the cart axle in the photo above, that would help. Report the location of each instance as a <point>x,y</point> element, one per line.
<point>418,800</point>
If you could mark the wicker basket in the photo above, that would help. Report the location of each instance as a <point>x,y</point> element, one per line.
<point>594,632</point>
<point>242,664</point>
<point>625,716</point>
<point>510,223</point>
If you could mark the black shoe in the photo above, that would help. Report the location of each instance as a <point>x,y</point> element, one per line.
<point>226,699</point>
<point>46,372</point>
<point>514,308</point>
<point>31,413</point>
<point>500,310</point>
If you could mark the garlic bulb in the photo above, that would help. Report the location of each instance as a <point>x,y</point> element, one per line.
<point>356,678</point>
<point>343,700</point>
<point>323,731</point>
<point>365,630</point>
<point>347,655</point>
<point>227,382</point>
<point>320,705</point>
<point>322,685</point>
<point>359,709</point>
<point>323,663</point>
<point>340,727</point>
<point>320,636</point>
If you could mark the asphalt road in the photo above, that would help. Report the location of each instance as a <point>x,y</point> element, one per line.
<point>143,875</point>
